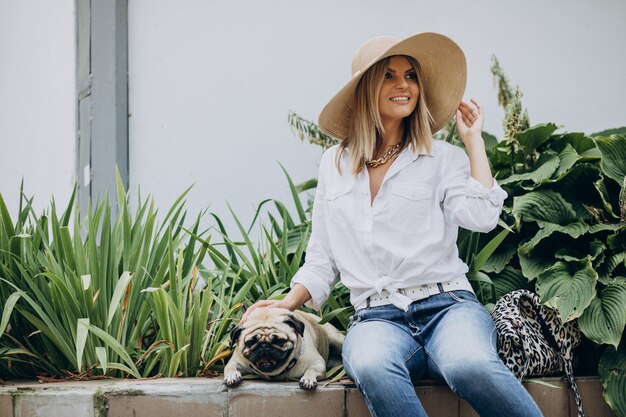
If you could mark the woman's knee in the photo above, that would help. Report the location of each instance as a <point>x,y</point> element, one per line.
<point>465,373</point>
<point>373,349</point>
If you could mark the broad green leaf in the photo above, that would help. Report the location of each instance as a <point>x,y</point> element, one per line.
<point>82,330</point>
<point>545,167</point>
<point>613,150</point>
<point>118,295</point>
<point>612,370</point>
<point>8,309</point>
<point>477,276</point>
<point>534,136</point>
<point>543,206</point>
<point>510,279</point>
<point>577,140</point>
<point>604,320</point>
<point>574,230</point>
<point>568,288</point>
<point>579,253</point>
<point>612,131</point>
<point>101,353</point>
<point>605,198</point>
<point>567,157</point>
<point>608,266</point>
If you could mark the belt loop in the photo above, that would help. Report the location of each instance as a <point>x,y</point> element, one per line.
<point>441,290</point>
<point>367,302</point>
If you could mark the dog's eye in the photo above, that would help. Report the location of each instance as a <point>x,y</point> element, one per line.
<point>279,341</point>
<point>251,342</point>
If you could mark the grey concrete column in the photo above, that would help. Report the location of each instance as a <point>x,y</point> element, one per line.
<point>102,97</point>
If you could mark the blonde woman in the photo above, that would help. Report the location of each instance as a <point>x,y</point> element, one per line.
<point>386,214</point>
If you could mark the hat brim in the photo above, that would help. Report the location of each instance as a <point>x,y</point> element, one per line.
<point>443,71</point>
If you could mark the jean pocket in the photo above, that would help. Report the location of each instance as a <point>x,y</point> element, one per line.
<point>461,296</point>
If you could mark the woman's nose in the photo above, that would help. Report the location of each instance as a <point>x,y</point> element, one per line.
<point>402,83</point>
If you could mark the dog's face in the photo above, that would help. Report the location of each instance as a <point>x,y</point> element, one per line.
<point>268,339</point>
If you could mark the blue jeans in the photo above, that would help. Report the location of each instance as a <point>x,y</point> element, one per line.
<point>448,336</point>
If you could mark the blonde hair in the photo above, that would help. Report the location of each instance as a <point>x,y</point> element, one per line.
<point>366,128</point>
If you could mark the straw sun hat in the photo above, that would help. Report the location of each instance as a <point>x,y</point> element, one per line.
<point>442,69</point>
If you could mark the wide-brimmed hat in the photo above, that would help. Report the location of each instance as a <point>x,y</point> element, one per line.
<point>443,72</point>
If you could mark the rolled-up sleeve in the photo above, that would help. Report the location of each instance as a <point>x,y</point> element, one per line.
<point>470,204</point>
<point>319,270</point>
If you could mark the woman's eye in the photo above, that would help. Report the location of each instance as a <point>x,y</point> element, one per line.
<point>411,76</point>
<point>388,76</point>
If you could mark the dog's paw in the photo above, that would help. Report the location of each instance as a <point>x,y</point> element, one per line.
<point>232,379</point>
<point>308,383</point>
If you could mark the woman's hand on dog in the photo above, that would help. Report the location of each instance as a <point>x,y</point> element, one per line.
<point>292,301</point>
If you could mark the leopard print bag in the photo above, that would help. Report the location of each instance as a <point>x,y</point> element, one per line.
<point>533,341</point>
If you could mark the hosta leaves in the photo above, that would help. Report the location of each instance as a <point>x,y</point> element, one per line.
<point>612,370</point>
<point>567,158</point>
<point>606,269</point>
<point>568,288</point>
<point>574,230</point>
<point>613,150</point>
<point>604,320</point>
<point>580,142</point>
<point>533,137</point>
<point>543,206</point>
<point>605,198</point>
<point>572,254</point>
<point>546,165</point>
<point>510,279</point>
<point>534,265</point>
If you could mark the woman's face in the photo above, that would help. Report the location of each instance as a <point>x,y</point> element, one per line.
<point>399,92</point>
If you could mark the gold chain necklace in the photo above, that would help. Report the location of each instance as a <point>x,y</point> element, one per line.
<point>386,157</point>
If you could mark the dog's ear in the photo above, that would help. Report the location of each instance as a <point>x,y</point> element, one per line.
<point>291,320</point>
<point>234,336</point>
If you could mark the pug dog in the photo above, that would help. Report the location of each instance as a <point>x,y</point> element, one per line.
<point>276,343</point>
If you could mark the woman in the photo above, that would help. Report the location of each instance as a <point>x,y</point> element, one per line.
<point>386,214</point>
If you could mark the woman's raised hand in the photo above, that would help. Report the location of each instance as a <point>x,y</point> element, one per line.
<point>469,121</point>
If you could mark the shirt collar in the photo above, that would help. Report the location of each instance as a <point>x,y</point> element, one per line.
<point>417,153</point>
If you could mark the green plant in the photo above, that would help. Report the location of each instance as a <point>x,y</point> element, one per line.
<point>117,302</point>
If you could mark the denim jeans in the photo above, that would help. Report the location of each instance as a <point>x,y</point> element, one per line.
<point>449,337</point>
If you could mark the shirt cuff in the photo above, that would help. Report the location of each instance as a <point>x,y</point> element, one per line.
<point>318,290</point>
<point>495,194</point>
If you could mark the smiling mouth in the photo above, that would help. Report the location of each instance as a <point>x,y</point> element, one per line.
<point>400,99</point>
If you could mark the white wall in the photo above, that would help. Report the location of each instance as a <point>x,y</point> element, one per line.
<point>37,110</point>
<point>211,82</point>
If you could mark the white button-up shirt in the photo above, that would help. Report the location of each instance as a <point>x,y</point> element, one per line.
<point>407,236</point>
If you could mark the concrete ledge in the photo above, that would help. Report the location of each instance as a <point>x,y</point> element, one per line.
<point>201,397</point>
